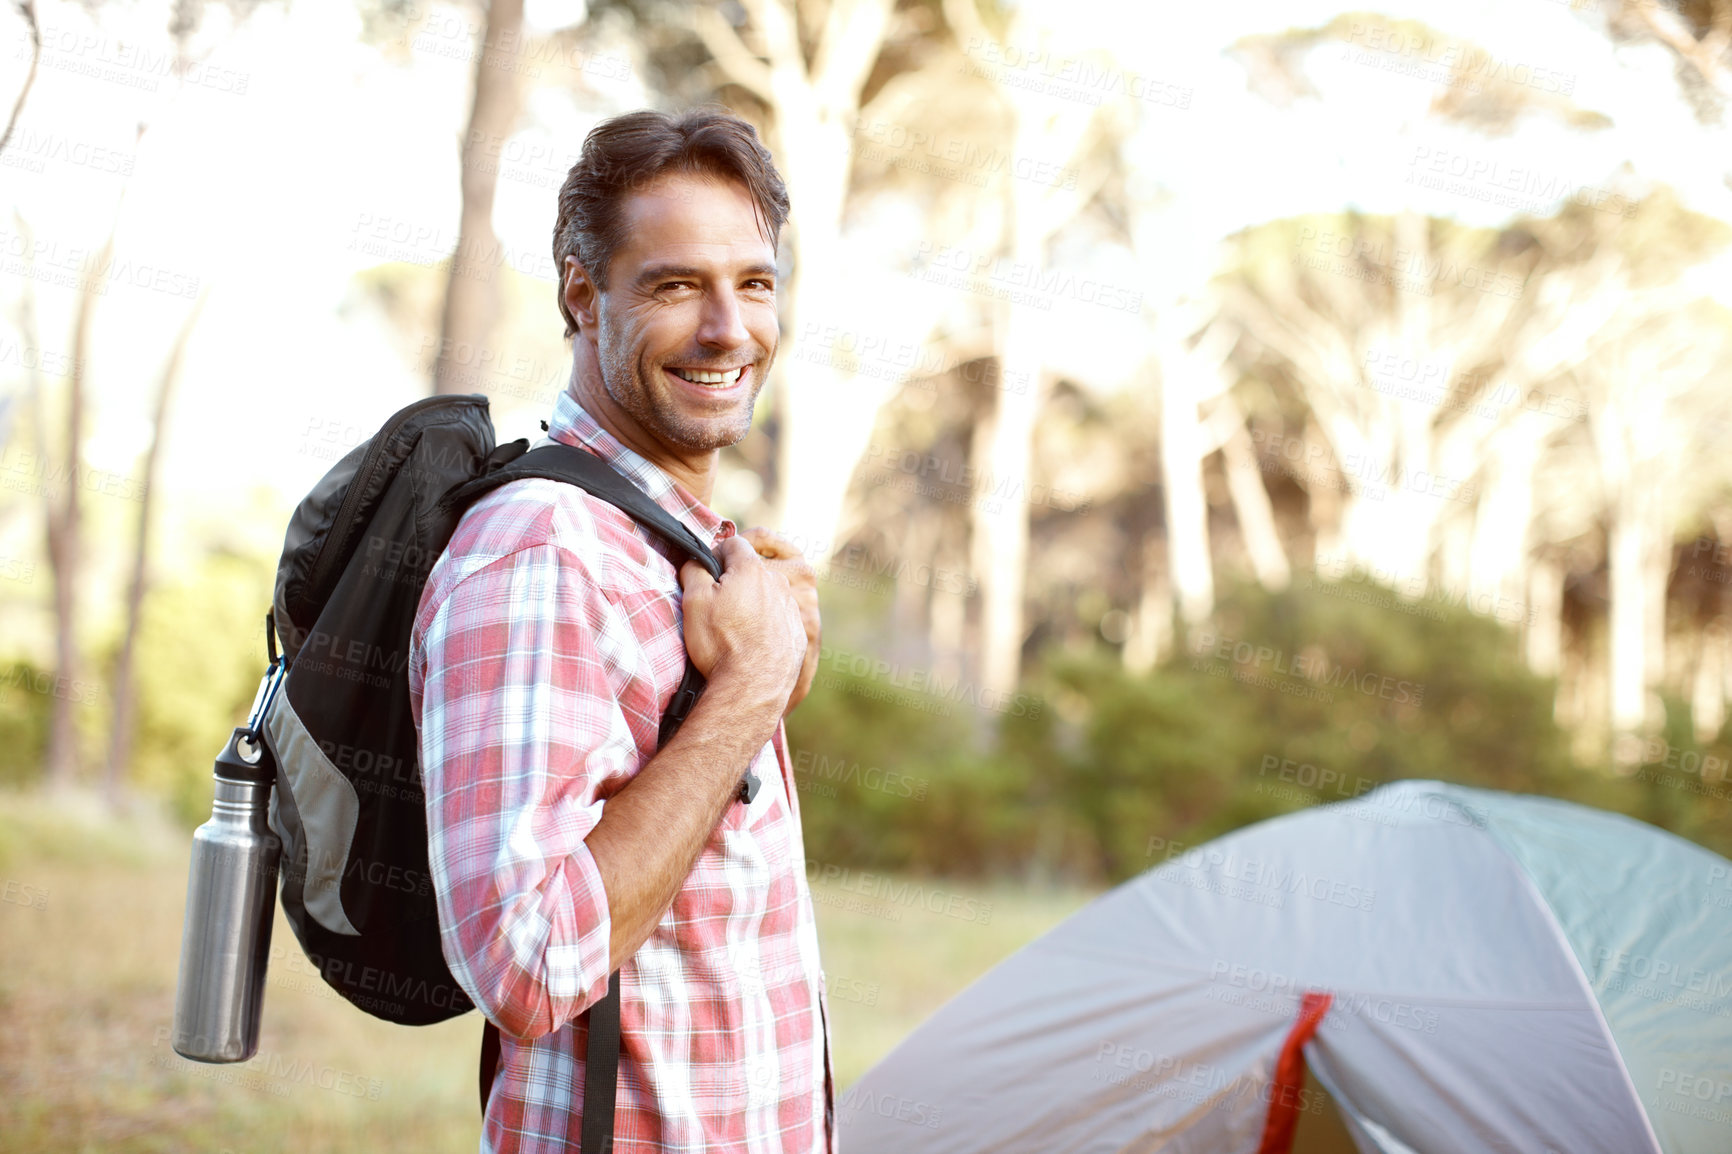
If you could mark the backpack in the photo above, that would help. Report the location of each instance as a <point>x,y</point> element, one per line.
<point>348,803</point>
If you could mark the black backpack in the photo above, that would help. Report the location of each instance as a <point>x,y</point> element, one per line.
<point>348,803</point>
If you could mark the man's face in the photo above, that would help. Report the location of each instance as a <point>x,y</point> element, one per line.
<point>687,328</point>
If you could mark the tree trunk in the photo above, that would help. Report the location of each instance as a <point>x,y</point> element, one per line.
<point>120,737</point>
<point>826,412</point>
<point>1192,573</point>
<point>471,288</point>
<point>1627,655</point>
<point>1707,686</point>
<point>1498,555</point>
<point>1251,506</point>
<point>1151,633</point>
<point>64,522</point>
<point>1001,505</point>
<point>1544,637</point>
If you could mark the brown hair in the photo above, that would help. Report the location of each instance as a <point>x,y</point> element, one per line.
<point>630,152</point>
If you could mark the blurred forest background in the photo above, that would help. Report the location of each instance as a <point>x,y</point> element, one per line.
<point>1194,415</point>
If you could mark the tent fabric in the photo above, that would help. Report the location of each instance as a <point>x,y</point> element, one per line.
<point>1481,950</point>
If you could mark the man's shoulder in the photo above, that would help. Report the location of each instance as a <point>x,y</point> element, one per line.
<point>581,530</point>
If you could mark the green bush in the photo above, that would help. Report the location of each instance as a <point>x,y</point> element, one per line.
<point>1287,700</point>
<point>23,723</point>
<point>201,651</point>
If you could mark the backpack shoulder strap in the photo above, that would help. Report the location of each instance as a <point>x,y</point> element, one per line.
<point>559,462</point>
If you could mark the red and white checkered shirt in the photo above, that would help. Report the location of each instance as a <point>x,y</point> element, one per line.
<point>549,640</point>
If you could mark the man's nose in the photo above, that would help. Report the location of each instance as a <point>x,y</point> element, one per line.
<point>723,325</point>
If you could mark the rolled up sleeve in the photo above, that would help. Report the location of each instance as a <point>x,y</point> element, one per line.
<point>520,728</point>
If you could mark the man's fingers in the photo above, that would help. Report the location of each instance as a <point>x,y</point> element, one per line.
<point>771,545</point>
<point>734,551</point>
<point>695,579</point>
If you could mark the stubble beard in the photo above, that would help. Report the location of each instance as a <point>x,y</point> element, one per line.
<point>636,387</point>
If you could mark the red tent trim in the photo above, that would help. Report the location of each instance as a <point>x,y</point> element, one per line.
<point>1288,1084</point>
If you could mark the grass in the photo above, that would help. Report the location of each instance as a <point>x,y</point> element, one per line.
<point>90,922</point>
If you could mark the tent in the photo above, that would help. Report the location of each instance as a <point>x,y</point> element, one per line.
<point>1460,969</point>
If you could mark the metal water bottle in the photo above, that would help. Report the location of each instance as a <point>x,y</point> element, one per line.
<point>230,903</point>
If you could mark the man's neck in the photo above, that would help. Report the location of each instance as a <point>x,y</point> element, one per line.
<point>692,469</point>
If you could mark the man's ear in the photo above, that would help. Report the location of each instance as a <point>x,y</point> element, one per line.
<point>582,298</point>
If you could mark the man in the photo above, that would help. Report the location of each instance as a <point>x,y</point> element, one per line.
<point>552,634</point>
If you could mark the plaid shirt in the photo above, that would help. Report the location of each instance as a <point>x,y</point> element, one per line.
<point>548,642</point>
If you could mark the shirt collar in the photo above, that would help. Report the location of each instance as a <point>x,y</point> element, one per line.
<point>572,425</point>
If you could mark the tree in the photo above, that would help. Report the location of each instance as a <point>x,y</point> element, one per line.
<point>809,64</point>
<point>470,298</point>
<point>125,704</point>
<point>1060,131</point>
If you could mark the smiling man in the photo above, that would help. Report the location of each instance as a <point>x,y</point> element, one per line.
<point>551,636</point>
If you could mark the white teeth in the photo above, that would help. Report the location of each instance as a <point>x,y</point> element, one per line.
<point>700,377</point>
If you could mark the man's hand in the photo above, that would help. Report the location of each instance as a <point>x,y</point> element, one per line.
<point>747,627</point>
<point>780,556</point>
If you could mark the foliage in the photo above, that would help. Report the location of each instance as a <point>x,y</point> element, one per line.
<point>200,655</point>
<point>23,723</point>
<point>1113,771</point>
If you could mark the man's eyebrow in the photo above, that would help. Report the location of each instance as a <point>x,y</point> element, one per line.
<point>659,272</point>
